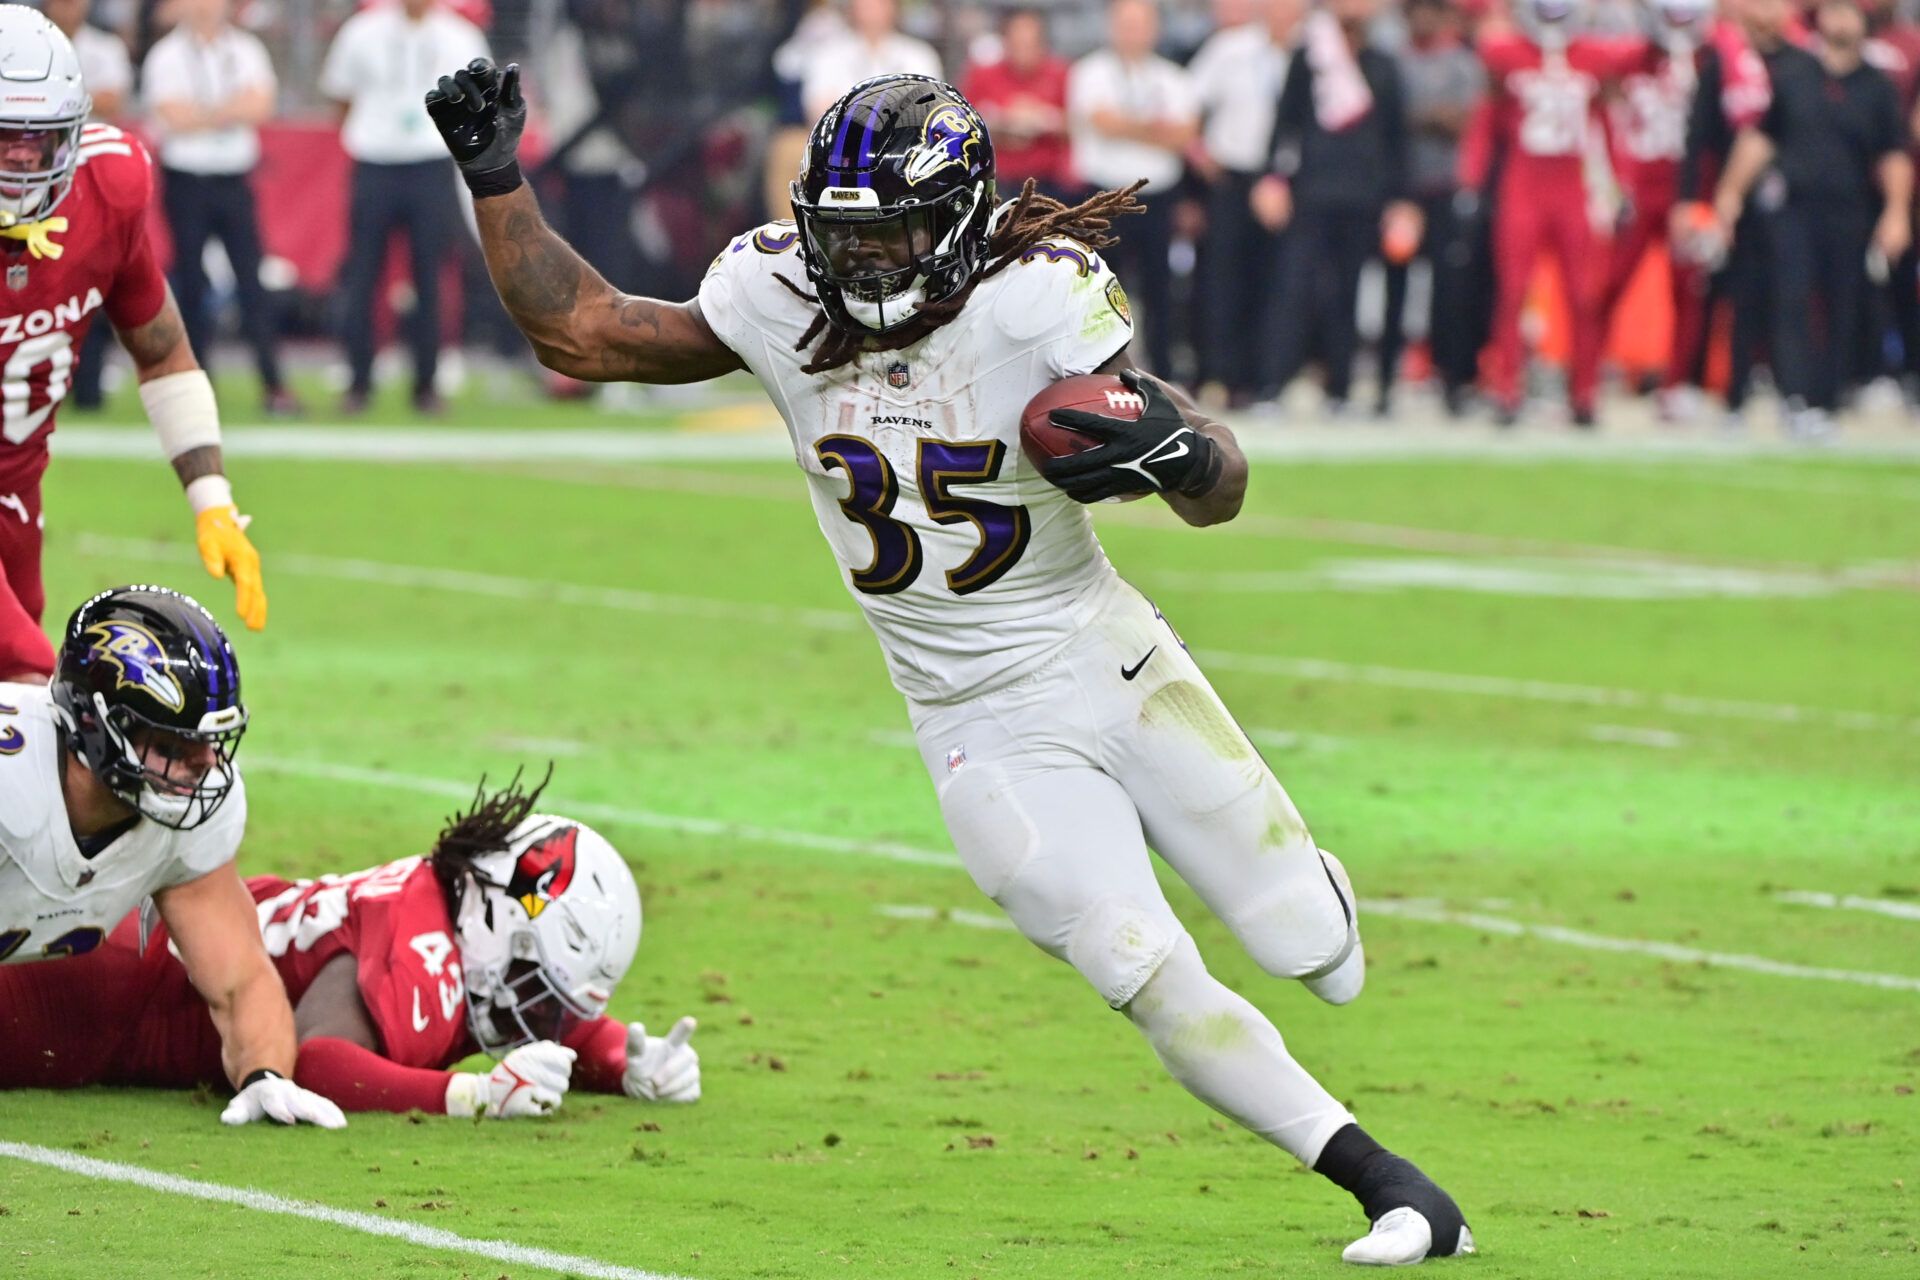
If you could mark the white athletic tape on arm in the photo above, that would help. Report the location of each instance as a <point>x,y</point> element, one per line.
<point>211,491</point>
<point>182,410</point>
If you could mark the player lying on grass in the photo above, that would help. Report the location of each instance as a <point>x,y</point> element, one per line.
<point>117,782</point>
<point>901,327</point>
<point>508,938</point>
<point>74,248</point>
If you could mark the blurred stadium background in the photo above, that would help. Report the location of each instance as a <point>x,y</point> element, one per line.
<point>663,127</point>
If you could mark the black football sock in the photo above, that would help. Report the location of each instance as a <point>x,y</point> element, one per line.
<point>1382,1181</point>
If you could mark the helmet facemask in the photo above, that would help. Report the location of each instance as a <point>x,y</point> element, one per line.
<point>177,777</point>
<point>37,162</point>
<point>520,1004</point>
<point>875,264</point>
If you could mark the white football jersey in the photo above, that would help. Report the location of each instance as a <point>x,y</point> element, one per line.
<point>53,902</point>
<point>972,569</point>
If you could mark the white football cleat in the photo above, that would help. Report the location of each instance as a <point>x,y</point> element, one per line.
<point>1342,983</point>
<point>1401,1238</point>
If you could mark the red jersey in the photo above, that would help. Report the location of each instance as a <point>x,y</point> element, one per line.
<point>996,91</point>
<point>392,920</point>
<point>106,263</point>
<point>1647,124</point>
<point>1540,108</point>
<point>123,1014</point>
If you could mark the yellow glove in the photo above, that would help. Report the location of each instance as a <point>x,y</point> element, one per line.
<point>225,550</point>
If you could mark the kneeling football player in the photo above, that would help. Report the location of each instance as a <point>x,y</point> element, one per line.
<point>507,938</point>
<point>118,784</point>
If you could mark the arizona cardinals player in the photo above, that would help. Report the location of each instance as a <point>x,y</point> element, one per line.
<point>901,325</point>
<point>1538,123</point>
<point>117,782</point>
<point>508,938</point>
<point>1648,130</point>
<point>73,244</point>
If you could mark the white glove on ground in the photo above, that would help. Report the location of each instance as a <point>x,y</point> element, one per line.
<point>662,1069</point>
<point>530,1081</point>
<point>274,1097</point>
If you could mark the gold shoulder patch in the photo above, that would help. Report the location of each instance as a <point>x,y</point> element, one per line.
<point>1117,299</point>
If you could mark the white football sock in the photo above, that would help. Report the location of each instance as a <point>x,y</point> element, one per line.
<point>1230,1057</point>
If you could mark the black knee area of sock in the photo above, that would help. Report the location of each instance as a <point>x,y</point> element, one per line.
<point>1382,1181</point>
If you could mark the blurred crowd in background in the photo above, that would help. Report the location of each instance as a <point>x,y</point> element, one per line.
<point>1501,204</point>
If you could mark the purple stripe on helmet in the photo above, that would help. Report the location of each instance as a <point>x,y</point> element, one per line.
<point>864,177</point>
<point>223,680</point>
<point>836,154</point>
<point>209,656</point>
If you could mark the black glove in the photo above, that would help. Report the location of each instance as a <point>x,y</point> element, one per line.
<point>1160,452</point>
<point>480,113</point>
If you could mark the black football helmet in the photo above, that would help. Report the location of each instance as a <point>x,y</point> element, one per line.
<point>149,662</point>
<point>894,201</point>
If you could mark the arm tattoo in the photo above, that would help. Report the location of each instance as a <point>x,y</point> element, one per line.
<point>539,276</point>
<point>578,323</point>
<point>160,341</point>
<point>194,463</point>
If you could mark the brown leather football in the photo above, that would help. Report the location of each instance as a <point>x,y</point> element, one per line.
<point>1100,393</point>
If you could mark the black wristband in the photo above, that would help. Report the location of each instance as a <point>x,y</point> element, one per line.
<point>256,1076</point>
<point>1207,473</point>
<point>494,182</point>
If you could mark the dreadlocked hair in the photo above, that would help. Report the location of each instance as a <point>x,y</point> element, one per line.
<point>484,828</point>
<point>1032,219</point>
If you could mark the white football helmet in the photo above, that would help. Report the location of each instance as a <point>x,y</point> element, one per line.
<point>1681,24</point>
<point>43,107</point>
<point>547,928</point>
<point>1550,23</point>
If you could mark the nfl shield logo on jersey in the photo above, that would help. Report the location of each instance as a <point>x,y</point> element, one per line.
<point>956,759</point>
<point>899,375</point>
<point>17,276</point>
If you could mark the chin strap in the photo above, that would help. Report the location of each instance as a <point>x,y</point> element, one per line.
<point>38,235</point>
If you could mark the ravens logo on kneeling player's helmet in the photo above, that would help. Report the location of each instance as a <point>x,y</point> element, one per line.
<point>148,693</point>
<point>894,201</point>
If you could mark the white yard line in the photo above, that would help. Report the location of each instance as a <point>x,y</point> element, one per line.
<point>1550,691</point>
<point>501,1251</point>
<point>501,586</point>
<point>717,484</point>
<point>1848,902</point>
<point>549,453</point>
<point>889,850</point>
<point>1427,911</point>
<point>351,442</point>
<point>340,442</point>
<point>1432,914</point>
<point>952,915</point>
<point>1800,481</point>
<point>1637,736</point>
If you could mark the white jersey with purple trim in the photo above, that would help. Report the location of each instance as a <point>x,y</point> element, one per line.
<point>54,902</point>
<point>973,570</point>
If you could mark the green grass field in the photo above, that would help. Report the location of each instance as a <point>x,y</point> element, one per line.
<point>1541,708</point>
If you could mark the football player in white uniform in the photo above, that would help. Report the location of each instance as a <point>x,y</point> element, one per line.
<point>900,326</point>
<point>117,783</point>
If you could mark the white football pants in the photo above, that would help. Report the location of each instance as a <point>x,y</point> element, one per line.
<point>1054,787</point>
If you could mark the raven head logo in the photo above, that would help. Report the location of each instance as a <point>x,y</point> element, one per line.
<point>138,660</point>
<point>949,138</point>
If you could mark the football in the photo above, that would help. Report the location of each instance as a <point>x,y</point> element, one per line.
<point>1100,393</point>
